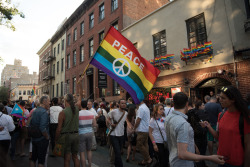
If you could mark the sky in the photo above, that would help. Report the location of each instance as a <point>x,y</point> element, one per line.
<point>42,18</point>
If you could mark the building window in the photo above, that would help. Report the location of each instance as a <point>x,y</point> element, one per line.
<point>69,37</point>
<point>24,92</point>
<point>67,86</point>
<point>91,47</point>
<point>57,90</point>
<point>58,49</point>
<point>81,53</point>
<point>68,61</point>
<point>160,44</point>
<point>101,36</point>
<point>115,25</point>
<point>91,20</point>
<point>63,44</point>
<point>74,86</point>
<point>28,92</point>
<point>54,69</point>
<point>114,5</point>
<point>75,34</point>
<point>116,88</point>
<point>53,91</point>
<point>20,92</point>
<point>82,28</point>
<point>196,30</point>
<point>54,52</point>
<point>62,64</point>
<point>74,58</point>
<point>62,89</point>
<point>57,67</point>
<point>101,12</point>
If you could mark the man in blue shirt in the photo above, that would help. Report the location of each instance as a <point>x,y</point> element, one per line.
<point>40,118</point>
<point>180,136</point>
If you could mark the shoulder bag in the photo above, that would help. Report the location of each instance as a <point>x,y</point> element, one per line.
<point>111,129</point>
<point>34,131</point>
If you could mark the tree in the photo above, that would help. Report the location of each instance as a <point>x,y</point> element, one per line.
<point>4,93</point>
<point>7,12</point>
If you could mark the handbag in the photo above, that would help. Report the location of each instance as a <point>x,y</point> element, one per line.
<point>59,147</point>
<point>164,142</point>
<point>34,131</point>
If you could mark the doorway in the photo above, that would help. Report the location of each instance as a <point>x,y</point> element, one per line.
<point>91,86</point>
<point>211,84</point>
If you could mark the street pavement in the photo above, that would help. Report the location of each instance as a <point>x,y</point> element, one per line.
<point>100,159</point>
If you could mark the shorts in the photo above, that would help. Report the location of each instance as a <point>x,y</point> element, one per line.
<point>24,133</point>
<point>72,143</point>
<point>209,135</point>
<point>39,150</point>
<point>85,143</point>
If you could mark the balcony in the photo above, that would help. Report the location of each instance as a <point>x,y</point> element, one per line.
<point>48,76</point>
<point>48,59</point>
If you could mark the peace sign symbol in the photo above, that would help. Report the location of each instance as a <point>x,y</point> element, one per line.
<point>119,70</point>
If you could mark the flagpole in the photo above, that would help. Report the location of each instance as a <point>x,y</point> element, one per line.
<point>83,73</point>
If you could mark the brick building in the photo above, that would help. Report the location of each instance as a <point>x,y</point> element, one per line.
<point>84,30</point>
<point>224,24</point>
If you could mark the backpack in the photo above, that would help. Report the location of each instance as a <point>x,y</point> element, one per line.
<point>241,126</point>
<point>101,121</point>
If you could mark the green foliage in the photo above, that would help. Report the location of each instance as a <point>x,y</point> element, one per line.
<point>4,93</point>
<point>7,12</point>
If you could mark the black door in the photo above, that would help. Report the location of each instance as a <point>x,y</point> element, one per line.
<point>91,87</point>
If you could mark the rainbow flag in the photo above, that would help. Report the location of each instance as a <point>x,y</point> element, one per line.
<point>118,57</point>
<point>33,91</point>
<point>18,111</point>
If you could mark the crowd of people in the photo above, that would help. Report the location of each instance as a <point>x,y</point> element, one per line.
<point>174,132</point>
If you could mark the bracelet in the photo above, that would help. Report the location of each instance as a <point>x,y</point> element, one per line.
<point>153,142</point>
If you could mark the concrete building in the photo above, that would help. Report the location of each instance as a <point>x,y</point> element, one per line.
<point>189,23</point>
<point>23,92</point>
<point>13,71</point>
<point>23,79</point>
<point>58,42</point>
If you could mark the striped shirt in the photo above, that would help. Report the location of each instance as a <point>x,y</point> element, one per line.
<point>85,121</point>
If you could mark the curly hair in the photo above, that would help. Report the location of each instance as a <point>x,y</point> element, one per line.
<point>241,105</point>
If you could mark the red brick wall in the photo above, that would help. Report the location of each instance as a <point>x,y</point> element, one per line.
<point>195,77</point>
<point>140,8</point>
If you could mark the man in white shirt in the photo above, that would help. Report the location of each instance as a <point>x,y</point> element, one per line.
<point>91,109</point>
<point>142,128</point>
<point>117,135</point>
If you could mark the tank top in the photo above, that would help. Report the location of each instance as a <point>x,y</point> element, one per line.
<point>68,124</point>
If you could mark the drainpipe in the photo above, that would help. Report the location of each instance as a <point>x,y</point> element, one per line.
<point>235,70</point>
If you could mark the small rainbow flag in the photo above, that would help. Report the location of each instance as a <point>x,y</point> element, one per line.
<point>18,111</point>
<point>118,57</point>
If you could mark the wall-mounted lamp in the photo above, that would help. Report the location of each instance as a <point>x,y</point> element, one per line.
<point>221,71</point>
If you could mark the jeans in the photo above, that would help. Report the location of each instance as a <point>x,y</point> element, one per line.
<point>117,142</point>
<point>14,138</point>
<point>52,131</point>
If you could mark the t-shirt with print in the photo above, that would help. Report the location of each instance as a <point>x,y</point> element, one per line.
<point>178,130</point>
<point>144,114</point>
<point>156,132</point>
<point>229,138</point>
<point>85,121</point>
<point>115,115</point>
